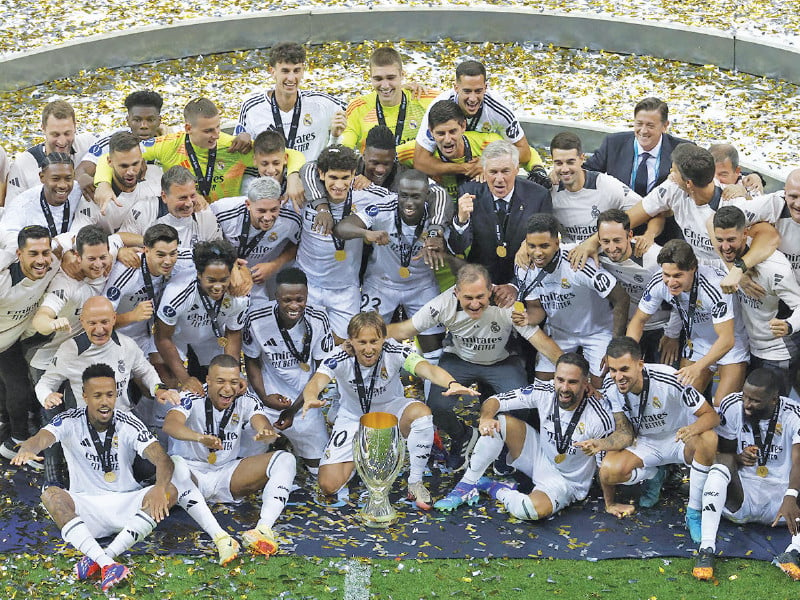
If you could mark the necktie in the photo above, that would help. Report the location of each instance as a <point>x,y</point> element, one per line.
<point>502,208</point>
<point>640,181</point>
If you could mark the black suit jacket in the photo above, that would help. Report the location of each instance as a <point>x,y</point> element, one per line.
<point>480,236</point>
<point>615,157</point>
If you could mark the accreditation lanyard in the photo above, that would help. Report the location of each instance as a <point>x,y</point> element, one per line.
<point>276,116</point>
<point>51,224</point>
<point>401,118</point>
<point>365,395</point>
<point>204,181</point>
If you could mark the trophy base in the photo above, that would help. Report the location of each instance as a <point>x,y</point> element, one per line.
<point>377,521</point>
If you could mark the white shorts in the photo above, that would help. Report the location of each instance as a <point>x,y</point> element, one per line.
<point>740,353</point>
<point>339,448</point>
<point>106,514</point>
<point>544,474</point>
<point>760,505</point>
<point>657,452</point>
<point>385,300</point>
<point>214,481</point>
<point>308,434</point>
<point>594,350</point>
<point>340,305</point>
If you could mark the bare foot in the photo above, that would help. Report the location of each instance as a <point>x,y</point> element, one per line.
<point>620,510</point>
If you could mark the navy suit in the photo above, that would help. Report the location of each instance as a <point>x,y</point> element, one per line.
<point>480,236</point>
<point>615,157</point>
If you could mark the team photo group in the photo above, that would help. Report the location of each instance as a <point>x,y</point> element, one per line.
<point>191,317</point>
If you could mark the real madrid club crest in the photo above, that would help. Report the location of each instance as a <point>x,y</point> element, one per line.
<point>115,441</point>
<point>486,127</point>
<point>778,428</point>
<point>226,302</point>
<point>235,418</point>
<point>581,427</point>
<point>495,327</point>
<point>121,366</point>
<point>272,236</point>
<point>565,283</point>
<point>595,211</point>
<point>657,402</point>
<point>307,120</point>
<point>384,373</point>
<point>220,165</point>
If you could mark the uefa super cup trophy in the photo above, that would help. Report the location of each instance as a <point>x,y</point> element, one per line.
<point>378,452</point>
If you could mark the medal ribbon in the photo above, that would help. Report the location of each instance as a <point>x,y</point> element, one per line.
<point>348,206</point>
<point>500,229</point>
<point>204,181</point>
<point>150,289</point>
<point>524,290</point>
<point>637,423</point>
<point>563,439</point>
<point>407,251</point>
<point>223,422</point>
<point>472,124</point>
<point>401,118</point>
<point>687,316</point>
<point>246,247</point>
<point>103,448</point>
<point>51,224</point>
<point>364,395</point>
<point>212,310</point>
<point>276,116</point>
<point>287,339</point>
<point>763,447</point>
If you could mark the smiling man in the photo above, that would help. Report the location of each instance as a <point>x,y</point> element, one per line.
<point>264,233</point>
<point>478,353</point>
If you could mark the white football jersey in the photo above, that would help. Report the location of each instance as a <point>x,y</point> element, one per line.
<point>200,227</point>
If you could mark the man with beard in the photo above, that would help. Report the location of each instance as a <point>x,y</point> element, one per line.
<point>264,233</point>
<point>559,458</point>
<point>207,431</point>
<point>283,344</point>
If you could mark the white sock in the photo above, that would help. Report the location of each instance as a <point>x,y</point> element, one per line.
<point>432,357</point>
<point>280,472</point>
<point>420,441</point>
<point>518,504</point>
<point>697,481</point>
<point>641,474</point>
<point>794,544</point>
<point>486,450</point>
<point>135,530</point>
<point>77,533</point>
<point>191,500</point>
<point>715,492</point>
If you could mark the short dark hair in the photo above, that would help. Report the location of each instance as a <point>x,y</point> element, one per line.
<point>57,158</point>
<point>444,111</point>
<point>678,253</point>
<point>144,98</point>
<point>215,251</point>
<point>723,152</point>
<point>694,163</point>
<point>543,223</point>
<point>287,52</point>
<point>31,232</point>
<point>199,107</point>
<point>58,109</point>
<point>771,380</point>
<point>160,232</point>
<point>225,361</point>
<point>470,68</point>
<point>621,345</point>
<point>652,103</point>
<point>337,158</point>
<point>291,276</point>
<point>566,140</point>
<point>122,141</point>
<point>385,56</point>
<point>728,217</point>
<point>413,175</point>
<point>614,215</point>
<point>177,175</point>
<point>573,358</point>
<point>364,320</point>
<point>380,137</point>
<point>97,370</point>
<point>268,142</point>
<point>90,235</point>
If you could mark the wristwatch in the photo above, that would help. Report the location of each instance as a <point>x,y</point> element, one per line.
<point>738,262</point>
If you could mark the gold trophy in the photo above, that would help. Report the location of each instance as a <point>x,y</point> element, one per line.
<point>378,452</point>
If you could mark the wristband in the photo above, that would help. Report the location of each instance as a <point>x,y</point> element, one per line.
<point>451,383</point>
<point>319,210</point>
<point>791,492</point>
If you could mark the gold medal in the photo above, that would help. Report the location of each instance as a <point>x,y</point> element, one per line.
<point>110,476</point>
<point>340,255</point>
<point>560,458</point>
<point>222,341</point>
<point>305,367</point>
<point>519,307</point>
<point>689,344</point>
<point>405,273</point>
<point>153,329</point>
<point>501,251</point>
<point>762,471</point>
<point>212,457</point>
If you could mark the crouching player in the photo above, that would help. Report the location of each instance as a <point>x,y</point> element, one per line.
<point>104,499</point>
<point>207,431</point>
<point>369,380</point>
<point>559,460</point>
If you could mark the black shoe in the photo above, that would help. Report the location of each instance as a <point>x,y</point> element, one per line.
<point>704,564</point>
<point>501,467</point>
<point>460,447</point>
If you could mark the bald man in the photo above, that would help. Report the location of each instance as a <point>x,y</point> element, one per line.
<point>99,343</point>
